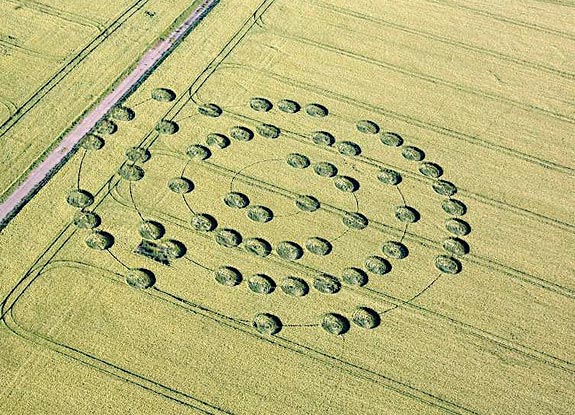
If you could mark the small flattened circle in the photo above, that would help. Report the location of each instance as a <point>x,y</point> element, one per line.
<point>80,198</point>
<point>307,203</point>
<point>260,104</point>
<point>455,246</point>
<point>389,176</point>
<point>140,278</point>
<point>180,185</point>
<point>327,284</point>
<point>447,264</point>
<point>348,148</point>
<point>267,324</point>
<point>104,127</point>
<point>444,188</point>
<point>99,240</point>
<point>229,238</point>
<point>289,106</point>
<point>377,265</point>
<point>325,169</point>
<point>163,95</point>
<point>316,110</point>
<point>138,154</point>
<point>167,127</point>
<point>173,249</point>
<point>210,110</point>
<point>198,151</point>
<point>366,318</point>
<point>86,220</point>
<point>406,214</point>
<point>395,250</point>
<point>149,229</point>
<point>335,324</point>
<point>355,220</point>
<point>367,127</point>
<point>259,213</point>
<point>288,250</point>
<point>412,153</point>
<point>202,222</point>
<point>454,207</point>
<point>241,133</point>
<point>298,161</point>
<point>457,226</point>
<point>131,172</point>
<point>217,140</point>
<point>354,276</point>
<point>346,184</point>
<point>429,169</point>
<point>236,200</point>
<point>268,131</point>
<point>318,246</point>
<point>294,286</point>
<point>258,246</point>
<point>92,142</point>
<point>261,284</point>
<point>391,139</point>
<point>322,138</point>
<point>228,276</point>
<point>122,113</point>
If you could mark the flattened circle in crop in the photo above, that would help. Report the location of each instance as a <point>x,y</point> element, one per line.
<point>267,324</point>
<point>138,154</point>
<point>210,110</point>
<point>140,278</point>
<point>241,133</point>
<point>288,106</point>
<point>151,230</point>
<point>335,324</point>
<point>167,127</point>
<point>99,240</point>
<point>294,286</point>
<point>163,95</point>
<point>261,104</point>
<point>367,127</point>
<point>86,220</point>
<point>80,198</point>
<point>180,185</point>
<point>259,213</point>
<point>316,110</point>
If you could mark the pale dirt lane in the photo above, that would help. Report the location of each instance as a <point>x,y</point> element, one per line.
<point>19,196</point>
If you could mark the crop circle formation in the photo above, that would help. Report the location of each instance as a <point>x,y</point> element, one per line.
<point>453,247</point>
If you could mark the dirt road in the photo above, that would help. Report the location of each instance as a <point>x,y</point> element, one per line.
<point>19,197</point>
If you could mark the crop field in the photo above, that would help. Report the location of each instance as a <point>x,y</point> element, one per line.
<point>56,60</point>
<point>310,207</point>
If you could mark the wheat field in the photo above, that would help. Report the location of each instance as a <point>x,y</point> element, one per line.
<point>57,60</point>
<point>312,207</point>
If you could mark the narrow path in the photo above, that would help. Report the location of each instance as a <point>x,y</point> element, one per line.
<point>19,197</point>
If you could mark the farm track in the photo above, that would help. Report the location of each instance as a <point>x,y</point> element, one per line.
<point>235,325</point>
<point>145,65</point>
<point>498,17</point>
<point>370,161</point>
<point>110,369</point>
<point>507,271</point>
<point>448,132</point>
<point>485,262</point>
<point>61,14</point>
<point>31,52</point>
<point>384,377</point>
<point>422,76</point>
<point>55,79</point>
<point>446,40</point>
<point>505,343</point>
<point>9,105</point>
